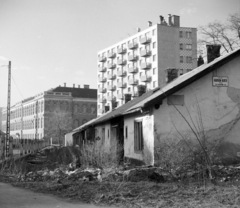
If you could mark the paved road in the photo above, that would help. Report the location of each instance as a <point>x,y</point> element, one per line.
<point>12,197</point>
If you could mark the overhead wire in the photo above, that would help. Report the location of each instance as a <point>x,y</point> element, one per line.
<point>17,87</point>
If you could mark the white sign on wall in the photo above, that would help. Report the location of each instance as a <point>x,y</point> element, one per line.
<point>220,81</point>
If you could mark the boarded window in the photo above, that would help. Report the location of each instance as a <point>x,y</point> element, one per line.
<point>138,136</point>
<point>175,100</point>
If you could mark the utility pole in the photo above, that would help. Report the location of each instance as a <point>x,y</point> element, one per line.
<point>7,140</point>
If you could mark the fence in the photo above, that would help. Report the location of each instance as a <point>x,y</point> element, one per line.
<point>20,147</point>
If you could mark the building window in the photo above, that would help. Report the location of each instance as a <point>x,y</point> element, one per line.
<point>103,135</point>
<point>181,59</point>
<point>175,100</point>
<point>154,70</point>
<point>189,59</point>
<point>180,34</point>
<point>154,44</point>
<point>181,46</point>
<point>188,47</point>
<point>138,136</point>
<point>189,34</point>
<point>154,32</point>
<point>126,132</point>
<point>154,57</point>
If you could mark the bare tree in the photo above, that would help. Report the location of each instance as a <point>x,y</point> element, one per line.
<point>58,124</point>
<point>226,34</point>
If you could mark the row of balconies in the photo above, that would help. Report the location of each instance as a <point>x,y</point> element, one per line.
<point>132,69</point>
<point>120,96</point>
<point>131,57</point>
<point>121,50</point>
<point>143,78</point>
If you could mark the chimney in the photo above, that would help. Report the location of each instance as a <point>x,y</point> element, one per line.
<point>176,20</point>
<point>200,61</point>
<point>127,97</point>
<point>170,20</point>
<point>141,90</point>
<point>86,86</point>
<point>138,29</point>
<point>114,104</point>
<point>213,51</point>
<point>106,108</point>
<point>65,84</point>
<point>59,85</point>
<point>149,23</point>
<point>171,74</point>
<point>161,19</point>
<point>73,85</point>
<point>78,86</point>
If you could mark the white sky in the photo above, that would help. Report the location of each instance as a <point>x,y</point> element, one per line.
<point>50,42</point>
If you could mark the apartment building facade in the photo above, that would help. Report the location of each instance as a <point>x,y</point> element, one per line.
<point>142,60</point>
<point>59,109</point>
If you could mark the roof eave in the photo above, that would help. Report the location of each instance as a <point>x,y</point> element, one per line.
<point>190,80</point>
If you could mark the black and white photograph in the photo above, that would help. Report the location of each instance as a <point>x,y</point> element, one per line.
<point>119,103</point>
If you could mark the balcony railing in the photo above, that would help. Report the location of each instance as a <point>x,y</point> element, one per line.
<point>132,81</point>
<point>111,87</point>
<point>102,79</point>
<point>121,85</point>
<point>145,53</point>
<point>121,62</point>
<point>132,45</point>
<point>111,98</point>
<point>145,66</point>
<point>121,50</point>
<point>111,76</point>
<point>102,59</point>
<point>145,40</point>
<point>102,100</point>
<point>132,58</point>
<point>102,69</point>
<point>111,54</point>
<point>111,65</point>
<point>133,69</point>
<point>121,73</point>
<point>102,90</point>
<point>145,78</point>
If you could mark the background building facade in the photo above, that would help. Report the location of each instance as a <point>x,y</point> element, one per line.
<point>52,113</point>
<point>142,59</point>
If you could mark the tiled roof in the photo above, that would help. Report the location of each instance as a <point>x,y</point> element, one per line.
<point>116,112</point>
<point>78,92</point>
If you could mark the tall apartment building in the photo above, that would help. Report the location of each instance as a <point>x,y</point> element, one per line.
<point>142,59</point>
<point>53,112</point>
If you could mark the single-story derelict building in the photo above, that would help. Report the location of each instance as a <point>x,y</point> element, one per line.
<point>203,102</point>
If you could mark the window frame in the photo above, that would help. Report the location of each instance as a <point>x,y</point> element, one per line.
<point>138,136</point>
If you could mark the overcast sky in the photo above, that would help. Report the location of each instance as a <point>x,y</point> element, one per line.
<point>50,42</point>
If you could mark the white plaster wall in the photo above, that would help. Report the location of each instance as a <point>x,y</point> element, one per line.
<point>219,107</point>
<point>69,139</point>
<point>106,143</point>
<point>148,135</point>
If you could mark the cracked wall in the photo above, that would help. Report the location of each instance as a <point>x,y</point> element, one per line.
<point>217,107</point>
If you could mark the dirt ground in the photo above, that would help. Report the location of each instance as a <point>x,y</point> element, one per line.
<point>140,194</point>
<point>144,187</point>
